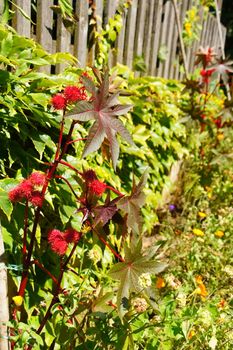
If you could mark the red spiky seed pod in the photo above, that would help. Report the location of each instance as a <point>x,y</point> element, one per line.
<point>58,102</point>
<point>97,187</point>
<point>57,241</point>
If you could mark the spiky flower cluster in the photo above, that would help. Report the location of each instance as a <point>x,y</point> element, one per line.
<point>29,189</point>
<point>94,185</point>
<point>70,94</point>
<point>97,187</point>
<point>59,240</point>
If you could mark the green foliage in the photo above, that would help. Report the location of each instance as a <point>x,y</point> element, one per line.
<point>106,37</point>
<point>191,27</point>
<point>29,133</point>
<point>73,300</point>
<point>158,130</point>
<point>128,272</point>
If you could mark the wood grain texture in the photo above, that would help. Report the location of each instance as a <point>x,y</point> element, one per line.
<point>80,38</point>
<point>128,54</point>
<point>21,23</point>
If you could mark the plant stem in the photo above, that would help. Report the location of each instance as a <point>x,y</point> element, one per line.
<point>73,141</point>
<point>24,250</point>
<point>36,262</point>
<point>68,183</point>
<point>69,166</point>
<point>56,293</point>
<point>50,174</point>
<point>115,191</point>
<point>109,247</point>
<point>60,138</point>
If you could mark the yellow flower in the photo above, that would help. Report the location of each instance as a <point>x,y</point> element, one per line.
<point>220,137</point>
<point>160,283</point>
<point>201,290</point>
<point>192,14</point>
<point>85,229</point>
<point>191,334</point>
<point>198,279</point>
<point>201,215</point>
<point>18,300</point>
<point>188,27</point>
<point>219,233</point>
<point>198,232</point>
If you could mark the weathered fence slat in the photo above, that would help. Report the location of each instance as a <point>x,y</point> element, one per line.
<point>110,9</point>
<point>173,46</point>
<point>140,25</point>
<point>163,35</point>
<point>119,44</point>
<point>80,37</point>
<point>158,5</point>
<point>147,27</point>
<point>21,23</point>
<point>129,34</point>
<point>44,27</point>
<point>170,39</point>
<point>148,32</point>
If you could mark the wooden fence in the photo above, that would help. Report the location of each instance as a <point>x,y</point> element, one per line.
<point>148,26</point>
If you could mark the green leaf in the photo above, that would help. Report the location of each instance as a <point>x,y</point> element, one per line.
<point>40,98</point>
<point>100,304</point>
<point>5,204</point>
<point>132,204</point>
<point>129,271</point>
<point>4,76</point>
<point>5,60</point>
<point>41,141</point>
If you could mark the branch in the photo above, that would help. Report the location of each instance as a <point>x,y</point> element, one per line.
<point>4,311</point>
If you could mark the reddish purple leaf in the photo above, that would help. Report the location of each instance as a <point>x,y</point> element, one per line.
<point>104,109</point>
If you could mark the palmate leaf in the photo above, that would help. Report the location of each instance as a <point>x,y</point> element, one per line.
<point>132,204</point>
<point>105,110</point>
<point>129,271</point>
<point>222,69</point>
<point>104,213</point>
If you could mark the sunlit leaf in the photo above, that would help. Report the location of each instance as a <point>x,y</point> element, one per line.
<point>132,204</point>
<point>104,109</point>
<point>129,271</point>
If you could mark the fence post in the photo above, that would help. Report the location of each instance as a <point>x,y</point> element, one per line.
<point>180,37</point>
<point>80,35</point>
<point>4,308</point>
<point>22,24</point>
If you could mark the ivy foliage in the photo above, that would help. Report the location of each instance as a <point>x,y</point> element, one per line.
<point>28,137</point>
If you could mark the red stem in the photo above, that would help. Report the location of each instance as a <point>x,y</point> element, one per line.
<point>109,247</point>
<point>70,166</point>
<point>67,140</point>
<point>24,250</point>
<point>36,262</point>
<point>60,137</point>
<point>54,299</point>
<point>115,191</point>
<point>50,174</point>
<point>73,141</point>
<point>68,183</point>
